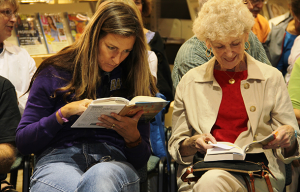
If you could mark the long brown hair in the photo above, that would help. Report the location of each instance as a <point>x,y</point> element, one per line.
<point>81,58</point>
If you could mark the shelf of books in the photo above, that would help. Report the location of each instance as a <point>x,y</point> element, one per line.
<point>52,28</point>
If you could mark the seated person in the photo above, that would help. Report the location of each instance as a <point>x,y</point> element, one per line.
<point>16,63</point>
<point>294,92</point>
<point>281,38</point>
<point>234,98</point>
<point>9,120</point>
<point>109,59</point>
<point>295,53</point>
<point>261,26</point>
<point>193,53</point>
<point>164,80</point>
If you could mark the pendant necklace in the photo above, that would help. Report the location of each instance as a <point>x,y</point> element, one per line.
<point>231,80</point>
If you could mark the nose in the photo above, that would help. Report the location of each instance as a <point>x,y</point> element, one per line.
<point>249,5</point>
<point>13,17</point>
<point>228,51</point>
<point>117,58</point>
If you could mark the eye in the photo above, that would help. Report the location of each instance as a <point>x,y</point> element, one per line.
<point>111,48</point>
<point>127,51</point>
<point>220,47</point>
<point>236,44</point>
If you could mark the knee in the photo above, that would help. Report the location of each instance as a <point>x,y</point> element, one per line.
<point>216,180</point>
<point>110,176</point>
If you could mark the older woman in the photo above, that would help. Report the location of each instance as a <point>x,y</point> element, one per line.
<point>109,59</point>
<point>233,98</point>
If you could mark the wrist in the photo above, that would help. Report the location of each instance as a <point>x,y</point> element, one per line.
<point>64,118</point>
<point>134,144</point>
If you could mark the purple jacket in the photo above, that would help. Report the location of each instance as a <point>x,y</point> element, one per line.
<point>39,129</point>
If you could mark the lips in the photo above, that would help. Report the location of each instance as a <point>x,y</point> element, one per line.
<point>230,60</point>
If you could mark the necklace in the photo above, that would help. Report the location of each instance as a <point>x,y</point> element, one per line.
<point>231,80</point>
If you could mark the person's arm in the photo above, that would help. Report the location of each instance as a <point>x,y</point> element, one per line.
<point>7,157</point>
<point>283,120</point>
<point>9,119</point>
<point>297,113</point>
<point>294,89</point>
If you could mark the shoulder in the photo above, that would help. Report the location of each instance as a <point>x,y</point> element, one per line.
<point>262,21</point>
<point>5,84</point>
<point>198,74</point>
<point>259,70</point>
<point>191,48</point>
<point>15,49</point>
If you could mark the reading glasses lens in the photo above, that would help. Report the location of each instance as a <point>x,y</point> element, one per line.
<point>8,13</point>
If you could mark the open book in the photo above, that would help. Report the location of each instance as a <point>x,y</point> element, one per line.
<point>105,106</point>
<point>230,151</point>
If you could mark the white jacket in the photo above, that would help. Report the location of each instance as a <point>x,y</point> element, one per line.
<point>17,66</point>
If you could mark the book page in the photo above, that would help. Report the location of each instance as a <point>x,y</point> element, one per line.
<point>224,147</point>
<point>110,101</point>
<point>259,144</point>
<point>89,117</point>
<point>146,99</point>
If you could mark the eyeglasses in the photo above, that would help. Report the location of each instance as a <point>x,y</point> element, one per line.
<point>9,13</point>
<point>254,2</point>
<point>139,2</point>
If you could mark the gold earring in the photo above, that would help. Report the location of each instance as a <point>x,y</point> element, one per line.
<point>209,52</point>
<point>248,46</point>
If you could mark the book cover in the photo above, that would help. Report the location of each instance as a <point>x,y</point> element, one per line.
<point>105,106</point>
<point>54,32</point>
<point>77,23</point>
<point>230,151</point>
<point>28,34</point>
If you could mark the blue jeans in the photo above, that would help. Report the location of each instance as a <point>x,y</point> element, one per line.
<point>64,170</point>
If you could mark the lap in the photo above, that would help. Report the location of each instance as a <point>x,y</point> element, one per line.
<point>64,170</point>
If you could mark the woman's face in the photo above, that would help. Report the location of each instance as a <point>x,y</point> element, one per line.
<point>6,21</point>
<point>113,49</point>
<point>50,22</point>
<point>139,4</point>
<point>229,53</point>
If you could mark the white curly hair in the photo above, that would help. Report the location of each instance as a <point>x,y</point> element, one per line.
<point>220,19</point>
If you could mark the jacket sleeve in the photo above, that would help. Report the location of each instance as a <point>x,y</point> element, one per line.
<point>38,125</point>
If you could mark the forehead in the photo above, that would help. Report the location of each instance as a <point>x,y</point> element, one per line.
<point>229,40</point>
<point>119,41</point>
<point>6,4</point>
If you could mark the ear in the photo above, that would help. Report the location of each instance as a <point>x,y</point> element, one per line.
<point>246,37</point>
<point>208,45</point>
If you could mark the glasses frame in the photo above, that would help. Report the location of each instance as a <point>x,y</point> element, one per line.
<point>9,13</point>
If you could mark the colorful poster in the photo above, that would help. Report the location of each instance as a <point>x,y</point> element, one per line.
<point>77,23</point>
<point>54,32</point>
<point>28,35</point>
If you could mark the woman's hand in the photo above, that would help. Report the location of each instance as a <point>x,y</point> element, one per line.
<point>285,138</point>
<point>124,126</point>
<point>196,143</point>
<point>73,108</point>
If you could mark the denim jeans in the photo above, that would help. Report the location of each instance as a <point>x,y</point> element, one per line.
<point>64,170</point>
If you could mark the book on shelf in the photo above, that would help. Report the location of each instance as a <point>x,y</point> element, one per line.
<point>105,106</point>
<point>77,23</point>
<point>54,31</point>
<point>29,35</point>
<point>230,151</point>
